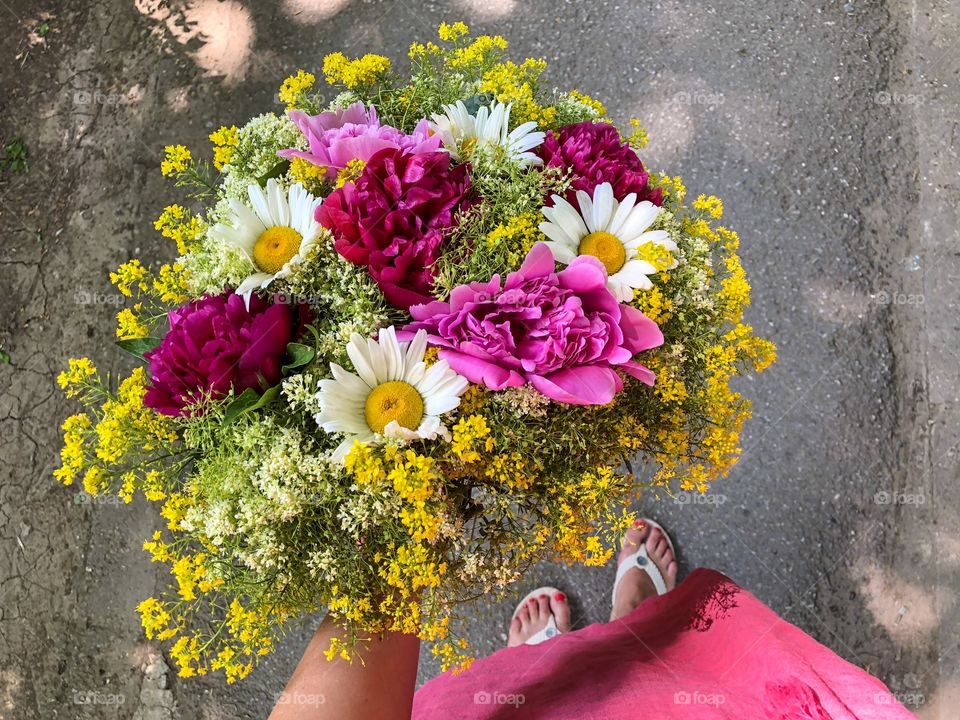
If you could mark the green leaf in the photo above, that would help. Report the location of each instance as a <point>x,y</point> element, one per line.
<point>299,355</point>
<point>5,358</point>
<point>138,347</point>
<point>247,401</point>
<point>276,171</point>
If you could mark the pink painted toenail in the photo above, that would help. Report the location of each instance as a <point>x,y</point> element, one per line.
<point>560,597</point>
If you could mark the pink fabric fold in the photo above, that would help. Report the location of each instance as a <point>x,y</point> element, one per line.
<point>705,651</point>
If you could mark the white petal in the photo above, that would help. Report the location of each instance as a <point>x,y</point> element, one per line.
<point>640,219</point>
<point>621,291</point>
<point>624,207</point>
<point>558,234</point>
<point>561,252</point>
<point>603,206</point>
<point>416,348</point>
<point>253,282</point>
<point>358,352</point>
<point>439,404</point>
<point>260,204</point>
<point>635,269</point>
<point>392,355</point>
<point>586,210</point>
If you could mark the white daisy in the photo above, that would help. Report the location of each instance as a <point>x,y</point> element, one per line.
<point>463,133</point>
<point>275,234</point>
<point>392,395</point>
<point>613,232</point>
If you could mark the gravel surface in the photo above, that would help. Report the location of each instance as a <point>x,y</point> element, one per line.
<point>828,128</point>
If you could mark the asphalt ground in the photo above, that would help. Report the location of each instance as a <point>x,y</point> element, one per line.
<point>828,128</point>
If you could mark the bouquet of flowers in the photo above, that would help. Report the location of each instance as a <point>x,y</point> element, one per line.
<point>415,339</point>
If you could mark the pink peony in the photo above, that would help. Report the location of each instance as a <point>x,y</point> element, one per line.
<point>213,344</point>
<point>338,136</point>
<point>564,333</point>
<point>394,220</point>
<point>595,154</point>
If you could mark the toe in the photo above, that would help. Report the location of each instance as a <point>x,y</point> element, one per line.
<point>671,578</point>
<point>661,549</point>
<point>561,611</point>
<point>543,605</point>
<point>634,537</point>
<point>533,609</point>
<point>652,539</point>
<point>524,615</point>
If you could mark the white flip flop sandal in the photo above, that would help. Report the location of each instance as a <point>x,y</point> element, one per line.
<point>640,559</point>
<point>551,630</point>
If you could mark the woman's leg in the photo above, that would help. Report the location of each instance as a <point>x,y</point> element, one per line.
<point>636,586</point>
<point>379,684</point>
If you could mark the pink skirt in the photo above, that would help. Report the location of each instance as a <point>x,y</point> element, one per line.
<point>707,649</point>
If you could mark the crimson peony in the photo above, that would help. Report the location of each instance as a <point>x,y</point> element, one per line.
<point>216,343</point>
<point>394,219</point>
<point>595,154</point>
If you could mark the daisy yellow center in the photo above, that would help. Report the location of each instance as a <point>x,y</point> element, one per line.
<point>394,400</point>
<point>606,248</point>
<point>274,248</point>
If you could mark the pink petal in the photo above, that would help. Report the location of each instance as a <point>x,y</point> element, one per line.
<point>639,332</point>
<point>587,385</point>
<point>640,372</point>
<point>481,372</point>
<point>584,274</point>
<point>538,263</point>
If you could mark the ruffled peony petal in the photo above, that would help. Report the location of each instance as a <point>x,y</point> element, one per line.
<point>216,344</point>
<point>640,372</point>
<point>594,153</point>
<point>639,332</point>
<point>394,220</point>
<point>482,372</point>
<point>584,274</point>
<point>587,385</point>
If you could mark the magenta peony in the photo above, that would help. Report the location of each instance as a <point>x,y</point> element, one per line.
<point>595,154</point>
<point>216,343</point>
<point>394,220</point>
<point>338,136</point>
<point>564,333</point>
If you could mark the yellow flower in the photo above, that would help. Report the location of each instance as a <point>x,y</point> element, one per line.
<point>519,234</point>
<point>354,73</point>
<point>170,285</point>
<point>517,84</point>
<point>159,551</point>
<point>73,453</point>
<point>79,369</point>
<point>654,305</point>
<point>153,616</point>
<point>312,176</point>
<point>178,224</point>
<point>482,51</point>
<point>224,141</point>
<point>467,436</point>
<point>129,274</point>
<point>711,205</point>
<point>177,159</point>
<point>129,326</point>
<point>295,86</point>
<point>450,33</point>
<point>175,509</point>
<point>590,102</point>
<point>638,137</point>
<point>350,172</point>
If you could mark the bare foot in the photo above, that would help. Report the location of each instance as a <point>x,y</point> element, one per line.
<point>636,586</point>
<point>533,617</point>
